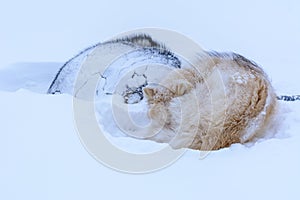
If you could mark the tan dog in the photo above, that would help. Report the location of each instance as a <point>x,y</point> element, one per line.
<point>223,99</point>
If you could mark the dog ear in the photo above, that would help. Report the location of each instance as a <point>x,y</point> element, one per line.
<point>149,92</point>
<point>180,89</point>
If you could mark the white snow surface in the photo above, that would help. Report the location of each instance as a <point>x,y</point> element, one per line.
<point>41,154</point>
<point>42,158</point>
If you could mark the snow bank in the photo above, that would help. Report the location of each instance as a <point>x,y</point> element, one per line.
<point>32,76</point>
<point>42,158</point>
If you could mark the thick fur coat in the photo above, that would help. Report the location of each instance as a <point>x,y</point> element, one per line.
<point>221,100</point>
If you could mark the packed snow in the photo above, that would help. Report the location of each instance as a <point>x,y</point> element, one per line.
<point>41,154</point>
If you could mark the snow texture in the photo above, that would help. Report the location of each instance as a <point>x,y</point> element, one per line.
<point>41,155</point>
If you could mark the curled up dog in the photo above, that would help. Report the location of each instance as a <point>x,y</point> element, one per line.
<point>221,100</point>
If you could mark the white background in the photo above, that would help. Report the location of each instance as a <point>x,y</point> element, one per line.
<point>55,30</point>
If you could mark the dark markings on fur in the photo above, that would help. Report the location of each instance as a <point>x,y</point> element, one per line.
<point>130,92</point>
<point>142,40</point>
<point>288,98</point>
<point>147,43</point>
<point>65,64</point>
<point>241,60</point>
<point>139,40</point>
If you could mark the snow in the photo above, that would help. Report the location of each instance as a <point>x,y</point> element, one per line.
<point>41,154</point>
<point>20,75</point>
<point>42,157</point>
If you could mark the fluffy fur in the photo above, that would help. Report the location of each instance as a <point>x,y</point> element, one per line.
<point>221,100</point>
